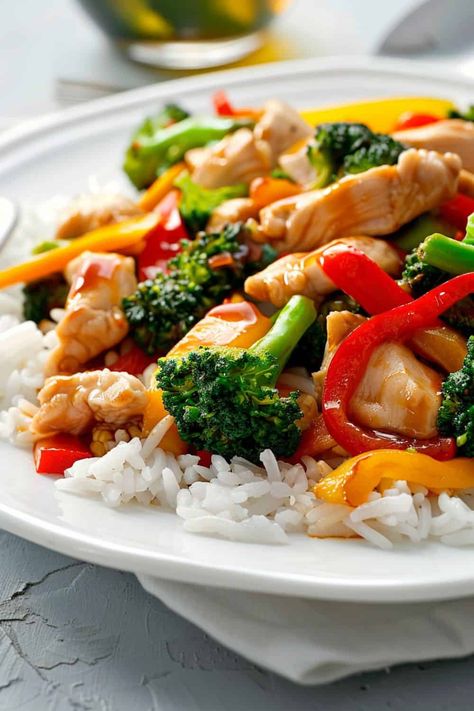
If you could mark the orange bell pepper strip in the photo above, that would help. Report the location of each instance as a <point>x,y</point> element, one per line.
<point>353,481</point>
<point>160,188</point>
<point>238,324</point>
<point>264,191</point>
<point>111,238</point>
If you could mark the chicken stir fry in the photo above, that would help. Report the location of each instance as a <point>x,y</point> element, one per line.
<point>93,321</point>
<point>302,273</point>
<point>376,202</point>
<point>74,403</point>
<point>300,283</point>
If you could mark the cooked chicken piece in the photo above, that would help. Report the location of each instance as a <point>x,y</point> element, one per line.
<point>398,393</point>
<point>75,403</point>
<point>88,212</point>
<point>466,183</point>
<point>297,165</point>
<point>301,272</point>
<point>281,127</point>
<point>195,157</point>
<point>94,320</point>
<point>441,345</point>
<point>238,158</point>
<point>230,211</point>
<point>450,135</point>
<point>376,202</point>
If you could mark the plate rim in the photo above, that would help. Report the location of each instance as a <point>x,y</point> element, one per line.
<point>130,557</point>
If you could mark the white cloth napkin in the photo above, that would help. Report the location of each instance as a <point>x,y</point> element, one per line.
<point>315,642</point>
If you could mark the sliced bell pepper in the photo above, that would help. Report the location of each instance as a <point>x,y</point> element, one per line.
<point>111,238</point>
<point>350,361</point>
<point>379,114</point>
<point>314,441</point>
<point>223,107</point>
<point>410,119</point>
<point>160,188</point>
<point>360,277</point>
<point>154,412</point>
<point>133,362</point>
<point>265,190</point>
<point>457,210</point>
<point>55,454</point>
<point>353,481</point>
<point>164,241</point>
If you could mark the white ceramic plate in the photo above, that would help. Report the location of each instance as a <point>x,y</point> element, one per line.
<point>57,154</point>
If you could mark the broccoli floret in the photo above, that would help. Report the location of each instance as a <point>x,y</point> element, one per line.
<point>343,148</point>
<point>382,150</point>
<point>456,414</point>
<point>143,170</point>
<point>422,277</point>
<point>467,115</point>
<point>42,296</point>
<point>155,147</point>
<point>224,400</point>
<point>310,350</point>
<point>162,310</point>
<point>197,203</point>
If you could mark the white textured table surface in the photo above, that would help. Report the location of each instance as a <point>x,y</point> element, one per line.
<point>75,636</point>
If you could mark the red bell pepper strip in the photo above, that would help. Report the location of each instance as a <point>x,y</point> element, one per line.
<point>164,241</point>
<point>223,107</point>
<point>351,358</point>
<point>413,120</point>
<point>457,211</point>
<point>360,277</point>
<point>133,362</point>
<point>55,454</point>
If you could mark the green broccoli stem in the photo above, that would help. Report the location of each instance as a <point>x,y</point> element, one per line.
<point>292,322</point>
<point>192,132</point>
<point>447,254</point>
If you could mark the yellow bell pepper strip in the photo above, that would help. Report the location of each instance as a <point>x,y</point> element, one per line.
<point>380,115</point>
<point>111,238</point>
<point>237,324</point>
<point>161,187</point>
<point>353,481</point>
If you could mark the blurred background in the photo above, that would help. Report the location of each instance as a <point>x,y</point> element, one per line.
<point>61,52</point>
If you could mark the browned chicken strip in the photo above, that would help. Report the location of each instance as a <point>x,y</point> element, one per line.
<point>231,211</point>
<point>94,320</point>
<point>238,158</point>
<point>450,135</point>
<point>89,212</point>
<point>301,272</point>
<point>376,202</point>
<point>398,393</point>
<point>75,403</point>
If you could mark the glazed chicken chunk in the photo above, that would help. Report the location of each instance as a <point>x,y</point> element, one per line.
<point>89,212</point>
<point>238,158</point>
<point>75,403</point>
<point>301,273</point>
<point>246,154</point>
<point>94,320</point>
<point>398,393</point>
<point>450,135</point>
<point>376,202</point>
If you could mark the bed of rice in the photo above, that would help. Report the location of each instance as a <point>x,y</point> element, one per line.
<point>233,499</point>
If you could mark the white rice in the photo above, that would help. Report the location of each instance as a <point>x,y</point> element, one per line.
<point>235,499</point>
